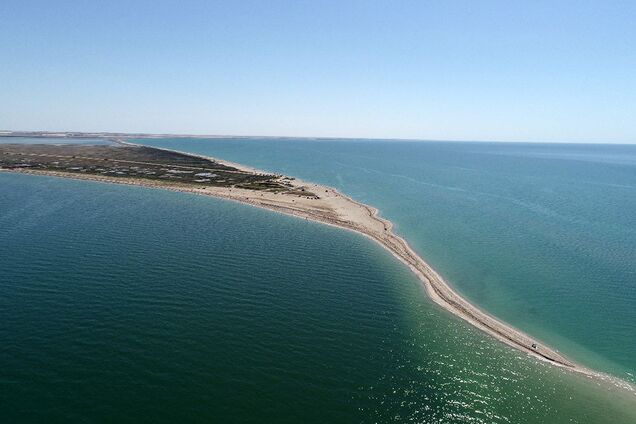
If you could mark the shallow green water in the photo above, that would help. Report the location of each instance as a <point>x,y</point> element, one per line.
<point>541,235</point>
<point>125,304</point>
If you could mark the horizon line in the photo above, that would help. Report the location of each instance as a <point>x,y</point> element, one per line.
<point>65,133</point>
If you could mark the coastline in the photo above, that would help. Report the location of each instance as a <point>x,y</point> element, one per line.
<point>336,209</point>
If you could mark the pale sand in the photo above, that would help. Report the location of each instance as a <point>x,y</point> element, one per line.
<point>336,209</point>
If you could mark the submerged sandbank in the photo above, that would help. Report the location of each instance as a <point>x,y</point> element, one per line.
<point>334,208</point>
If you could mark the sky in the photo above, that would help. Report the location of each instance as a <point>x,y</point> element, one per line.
<point>438,70</point>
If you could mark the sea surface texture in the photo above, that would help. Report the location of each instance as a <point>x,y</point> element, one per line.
<point>541,235</point>
<point>128,304</point>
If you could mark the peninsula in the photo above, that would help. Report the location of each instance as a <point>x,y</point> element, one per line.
<point>122,162</point>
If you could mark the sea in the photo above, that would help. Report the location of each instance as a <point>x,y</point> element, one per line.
<point>131,304</point>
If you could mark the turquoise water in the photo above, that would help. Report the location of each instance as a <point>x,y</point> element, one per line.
<point>541,235</point>
<point>126,304</point>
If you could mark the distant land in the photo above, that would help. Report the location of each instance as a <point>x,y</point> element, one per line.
<point>80,135</point>
<point>123,162</point>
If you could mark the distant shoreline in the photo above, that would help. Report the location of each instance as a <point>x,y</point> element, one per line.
<point>81,135</point>
<point>336,209</point>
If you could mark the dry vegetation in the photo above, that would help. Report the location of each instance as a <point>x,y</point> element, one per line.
<point>116,161</point>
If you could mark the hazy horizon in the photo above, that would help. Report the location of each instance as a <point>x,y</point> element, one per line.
<point>310,137</point>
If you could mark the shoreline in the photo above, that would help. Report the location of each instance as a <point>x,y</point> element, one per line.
<point>336,209</point>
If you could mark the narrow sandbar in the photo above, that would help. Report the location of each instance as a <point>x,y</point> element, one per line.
<point>327,205</point>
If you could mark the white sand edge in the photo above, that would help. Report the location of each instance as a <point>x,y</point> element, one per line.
<point>336,209</point>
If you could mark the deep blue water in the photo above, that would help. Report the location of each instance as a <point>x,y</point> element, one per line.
<point>127,304</point>
<point>541,235</point>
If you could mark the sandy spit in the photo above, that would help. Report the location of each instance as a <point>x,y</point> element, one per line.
<point>336,209</point>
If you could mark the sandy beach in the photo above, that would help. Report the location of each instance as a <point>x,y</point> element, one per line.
<point>334,208</point>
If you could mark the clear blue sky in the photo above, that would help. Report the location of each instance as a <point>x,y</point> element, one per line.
<point>467,70</point>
